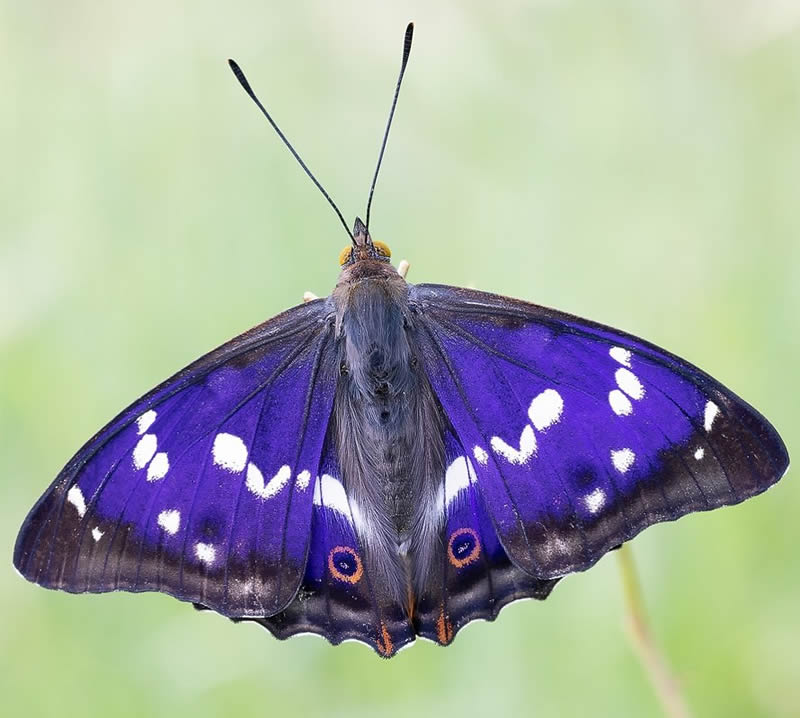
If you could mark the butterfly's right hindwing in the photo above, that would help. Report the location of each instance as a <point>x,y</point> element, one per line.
<point>202,489</point>
<point>472,576</point>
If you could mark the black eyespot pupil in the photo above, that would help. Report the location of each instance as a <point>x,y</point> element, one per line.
<point>465,546</point>
<point>345,563</point>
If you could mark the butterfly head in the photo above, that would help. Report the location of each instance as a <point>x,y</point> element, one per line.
<point>363,248</point>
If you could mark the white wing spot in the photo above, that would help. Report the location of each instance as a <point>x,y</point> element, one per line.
<point>170,521</point>
<point>620,404</point>
<point>75,497</point>
<point>97,534</point>
<point>229,452</point>
<point>329,493</point>
<point>629,383</point>
<point>158,467</point>
<point>458,477</point>
<point>255,481</point>
<point>145,421</point>
<point>623,356</point>
<point>595,500</point>
<point>205,552</point>
<point>480,455</point>
<point>699,453</point>
<point>144,450</point>
<point>545,409</point>
<point>622,459</point>
<point>527,447</point>
<point>335,496</point>
<point>303,479</point>
<point>710,414</point>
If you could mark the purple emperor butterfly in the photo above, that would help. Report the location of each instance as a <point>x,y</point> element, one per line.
<point>393,460</point>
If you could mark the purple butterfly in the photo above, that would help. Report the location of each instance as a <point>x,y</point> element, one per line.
<point>393,461</point>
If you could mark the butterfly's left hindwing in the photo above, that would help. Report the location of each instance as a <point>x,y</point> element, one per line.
<point>580,435</point>
<point>341,596</point>
<point>203,488</point>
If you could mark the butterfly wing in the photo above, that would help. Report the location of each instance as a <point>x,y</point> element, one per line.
<point>202,489</point>
<point>581,435</point>
<point>341,596</point>
<point>472,577</point>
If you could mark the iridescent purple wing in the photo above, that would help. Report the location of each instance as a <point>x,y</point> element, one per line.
<point>202,489</point>
<point>473,577</point>
<point>342,598</point>
<point>580,435</point>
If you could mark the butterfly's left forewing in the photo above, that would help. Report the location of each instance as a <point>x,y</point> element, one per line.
<point>580,435</point>
<point>203,488</point>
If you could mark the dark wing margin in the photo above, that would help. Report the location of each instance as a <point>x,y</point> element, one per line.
<point>202,488</point>
<point>582,435</point>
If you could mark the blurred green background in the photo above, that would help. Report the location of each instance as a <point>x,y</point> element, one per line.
<point>636,162</point>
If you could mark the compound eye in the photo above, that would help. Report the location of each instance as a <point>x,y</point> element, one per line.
<point>344,255</point>
<point>382,248</point>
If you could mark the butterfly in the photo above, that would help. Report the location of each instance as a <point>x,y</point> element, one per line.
<point>393,460</point>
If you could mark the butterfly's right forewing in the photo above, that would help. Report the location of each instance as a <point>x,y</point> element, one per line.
<point>581,435</point>
<point>202,489</point>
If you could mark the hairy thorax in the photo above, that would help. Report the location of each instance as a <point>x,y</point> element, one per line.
<point>387,424</point>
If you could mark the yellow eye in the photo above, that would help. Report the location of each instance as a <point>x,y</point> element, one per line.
<point>383,249</point>
<point>344,255</point>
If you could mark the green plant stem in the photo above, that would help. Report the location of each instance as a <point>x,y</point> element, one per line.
<point>655,665</point>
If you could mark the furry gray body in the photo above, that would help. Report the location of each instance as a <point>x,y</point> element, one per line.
<point>387,427</point>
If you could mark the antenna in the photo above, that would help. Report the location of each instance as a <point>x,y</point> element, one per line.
<point>249,90</point>
<point>406,53</point>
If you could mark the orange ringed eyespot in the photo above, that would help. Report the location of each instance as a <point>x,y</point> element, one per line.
<point>345,564</point>
<point>464,547</point>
